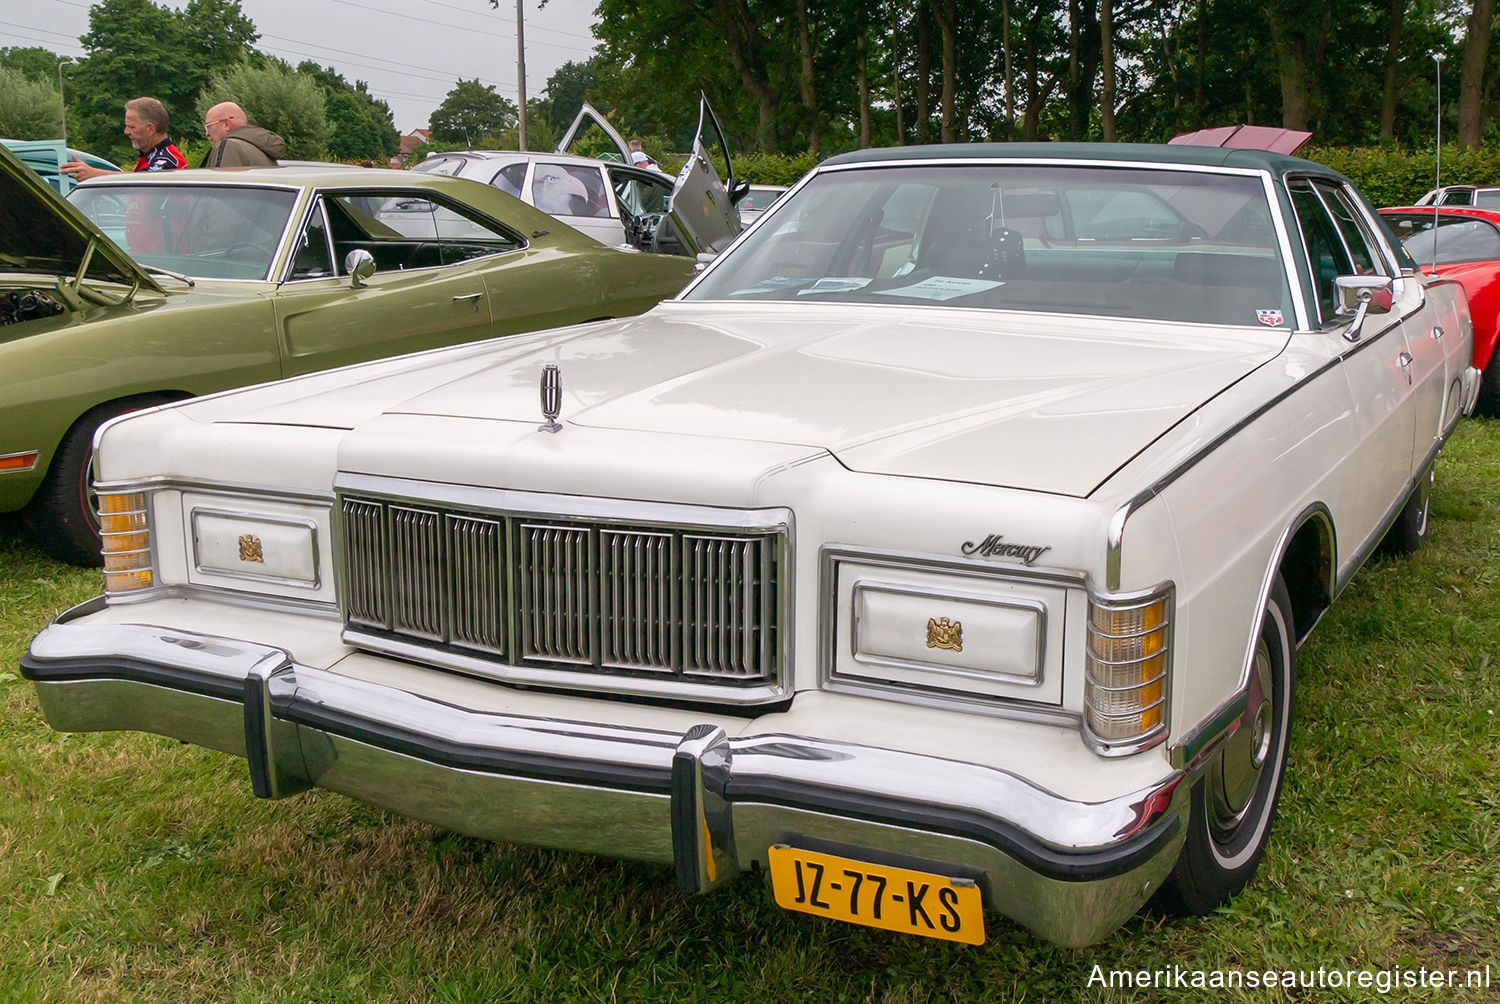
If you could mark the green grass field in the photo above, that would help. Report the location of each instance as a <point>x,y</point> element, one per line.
<point>136,868</point>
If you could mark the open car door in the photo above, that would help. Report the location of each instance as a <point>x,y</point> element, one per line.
<point>700,217</point>
<point>702,207</point>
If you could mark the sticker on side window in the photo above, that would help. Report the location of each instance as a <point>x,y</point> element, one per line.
<point>1270,318</point>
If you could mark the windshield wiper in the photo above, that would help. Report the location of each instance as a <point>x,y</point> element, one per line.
<point>169,274</point>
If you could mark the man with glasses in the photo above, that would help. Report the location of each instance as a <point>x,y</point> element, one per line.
<point>237,143</point>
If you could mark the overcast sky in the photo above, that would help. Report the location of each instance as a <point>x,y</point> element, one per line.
<point>410,52</point>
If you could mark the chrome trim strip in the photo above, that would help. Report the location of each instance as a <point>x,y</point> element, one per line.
<point>583,507</point>
<point>1115,535</point>
<point>324,609</point>
<point>689,689</point>
<point>261,493</point>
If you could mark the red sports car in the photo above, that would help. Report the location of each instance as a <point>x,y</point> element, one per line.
<point>1467,249</point>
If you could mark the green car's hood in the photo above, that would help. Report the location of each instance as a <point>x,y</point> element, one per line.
<point>40,232</point>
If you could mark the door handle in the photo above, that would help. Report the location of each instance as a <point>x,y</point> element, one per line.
<point>475,297</point>
<point>1405,360</point>
<point>1437,332</point>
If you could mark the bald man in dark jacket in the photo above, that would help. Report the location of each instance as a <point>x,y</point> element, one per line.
<point>237,143</point>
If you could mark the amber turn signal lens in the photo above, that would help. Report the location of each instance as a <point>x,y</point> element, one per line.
<point>1125,681</point>
<point>126,537</point>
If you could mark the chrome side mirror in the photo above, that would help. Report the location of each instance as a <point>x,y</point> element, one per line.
<point>1362,295</point>
<point>359,265</point>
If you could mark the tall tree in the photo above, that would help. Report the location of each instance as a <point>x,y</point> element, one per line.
<point>470,112</point>
<point>359,125</point>
<point>1471,83</point>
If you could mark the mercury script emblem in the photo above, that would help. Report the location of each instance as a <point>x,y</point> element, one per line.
<point>942,633</point>
<point>250,549</point>
<point>996,546</point>
<point>551,397</point>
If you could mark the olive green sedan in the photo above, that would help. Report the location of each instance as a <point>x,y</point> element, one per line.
<point>148,288</point>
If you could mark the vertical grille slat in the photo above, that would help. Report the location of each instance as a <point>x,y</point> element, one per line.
<point>588,597</point>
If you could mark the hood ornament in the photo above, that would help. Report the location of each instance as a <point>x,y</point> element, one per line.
<point>551,397</point>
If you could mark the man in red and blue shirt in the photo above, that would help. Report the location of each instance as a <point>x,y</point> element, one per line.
<point>146,127</point>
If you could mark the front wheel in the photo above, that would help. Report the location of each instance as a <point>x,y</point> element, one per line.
<point>1233,803</point>
<point>64,515</point>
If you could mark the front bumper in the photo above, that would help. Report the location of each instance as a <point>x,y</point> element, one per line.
<point>707,803</point>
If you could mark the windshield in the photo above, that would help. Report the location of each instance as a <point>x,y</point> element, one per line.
<point>1151,244</point>
<point>1458,238</point>
<point>198,230</point>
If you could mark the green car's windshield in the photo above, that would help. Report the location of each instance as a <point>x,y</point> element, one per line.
<point>205,231</point>
<point>1128,242</point>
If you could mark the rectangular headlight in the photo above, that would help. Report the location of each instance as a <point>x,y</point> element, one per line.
<point>126,536</point>
<point>1126,666</point>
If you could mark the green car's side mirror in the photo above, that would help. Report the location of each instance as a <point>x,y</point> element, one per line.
<point>359,265</point>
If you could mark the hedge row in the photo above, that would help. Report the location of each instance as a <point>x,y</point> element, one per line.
<point>1387,177</point>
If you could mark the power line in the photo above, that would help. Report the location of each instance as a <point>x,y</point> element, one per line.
<point>501,16</point>
<point>379,59</point>
<point>443,24</point>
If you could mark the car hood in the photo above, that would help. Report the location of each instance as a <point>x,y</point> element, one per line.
<point>1029,401</point>
<point>41,232</point>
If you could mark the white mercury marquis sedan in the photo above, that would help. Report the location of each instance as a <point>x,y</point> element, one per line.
<point>942,551</point>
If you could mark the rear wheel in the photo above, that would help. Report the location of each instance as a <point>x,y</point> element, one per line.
<point>1410,528</point>
<point>1488,403</point>
<point>1233,803</point>
<point>64,515</point>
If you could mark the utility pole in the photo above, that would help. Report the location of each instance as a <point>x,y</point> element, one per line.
<point>63,97</point>
<point>521,72</point>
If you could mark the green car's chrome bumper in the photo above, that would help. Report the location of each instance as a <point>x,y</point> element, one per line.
<point>709,804</point>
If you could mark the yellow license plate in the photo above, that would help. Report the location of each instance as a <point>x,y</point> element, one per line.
<point>894,899</point>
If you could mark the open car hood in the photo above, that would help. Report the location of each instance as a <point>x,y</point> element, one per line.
<point>700,207</point>
<point>41,232</point>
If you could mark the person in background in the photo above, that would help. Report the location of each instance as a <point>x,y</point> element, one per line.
<point>397,164</point>
<point>237,143</point>
<point>639,157</point>
<point>146,124</point>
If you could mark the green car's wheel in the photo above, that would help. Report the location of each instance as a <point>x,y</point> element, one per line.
<point>1233,803</point>
<point>64,515</point>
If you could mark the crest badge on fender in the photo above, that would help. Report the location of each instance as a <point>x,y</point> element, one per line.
<point>551,397</point>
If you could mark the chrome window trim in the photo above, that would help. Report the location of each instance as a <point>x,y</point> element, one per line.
<point>278,252</point>
<point>314,205</point>
<point>832,555</point>
<point>241,514</point>
<point>1035,606</point>
<point>1268,187</point>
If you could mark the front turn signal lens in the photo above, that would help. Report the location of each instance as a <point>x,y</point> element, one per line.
<point>126,537</point>
<point>1126,666</point>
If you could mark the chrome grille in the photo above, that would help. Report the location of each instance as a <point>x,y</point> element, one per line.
<point>701,605</point>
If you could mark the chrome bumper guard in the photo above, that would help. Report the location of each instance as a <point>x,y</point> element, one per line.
<point>709,804</point>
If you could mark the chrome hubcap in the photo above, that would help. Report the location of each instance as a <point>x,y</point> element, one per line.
<point>1245,753</point>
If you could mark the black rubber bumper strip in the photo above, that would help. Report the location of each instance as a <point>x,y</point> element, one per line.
<point>538,766</point>
<point>133,671</point>
<point>1064,866</point>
